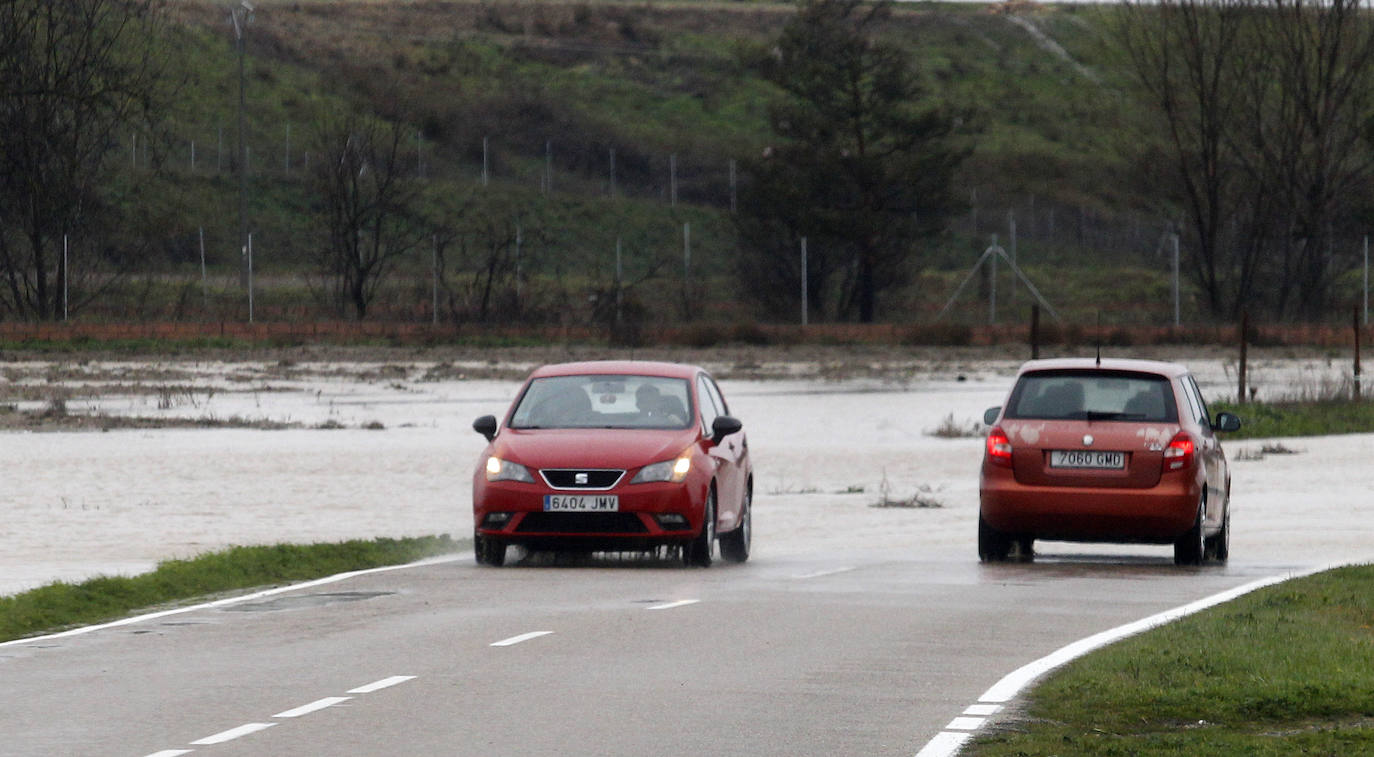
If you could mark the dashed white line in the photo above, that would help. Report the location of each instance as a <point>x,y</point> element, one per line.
<point>233,733</point>
<point>385,683</point>
<point>671,605</point>
<point>306,709</point>
<point>170,753</point>
<point>965,724</point>
<point>522,637</point>
<point>983,709</point>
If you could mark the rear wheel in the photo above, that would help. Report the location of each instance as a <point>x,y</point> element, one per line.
<point>993,545</point>
<point>700,551</point>
<point>734,546</point>
<point>1191,547</point>
<point>488,551</point>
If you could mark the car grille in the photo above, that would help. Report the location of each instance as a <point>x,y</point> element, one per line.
<point>583,479</point>
<point>581,523</point>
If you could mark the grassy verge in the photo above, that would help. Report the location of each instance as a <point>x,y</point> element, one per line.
<point>1320,417</point>
<point>61,605</point>
<point>1282,671</point>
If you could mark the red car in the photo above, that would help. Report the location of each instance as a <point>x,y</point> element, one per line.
<point>614,456</point>
<point>1105,451</point>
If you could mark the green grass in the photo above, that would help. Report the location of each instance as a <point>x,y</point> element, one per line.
<point>1282,671</point>
<point>61,605</point>
<point>1322,417</point>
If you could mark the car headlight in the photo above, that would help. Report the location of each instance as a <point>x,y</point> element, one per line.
<point>505,470</point>
<point>666,470</point>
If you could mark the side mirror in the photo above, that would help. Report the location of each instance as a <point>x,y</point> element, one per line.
<point>1226,422</point>
<point>724,426</point>
<point>990,415</point>
<point>486,426</point>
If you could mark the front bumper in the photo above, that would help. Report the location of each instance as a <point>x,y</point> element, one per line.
<point>648,515</point>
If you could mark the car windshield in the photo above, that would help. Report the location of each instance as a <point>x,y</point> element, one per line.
<point>1093,395</point>
<point>604,402</point>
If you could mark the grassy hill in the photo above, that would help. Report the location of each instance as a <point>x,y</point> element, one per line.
<point>591,122</point>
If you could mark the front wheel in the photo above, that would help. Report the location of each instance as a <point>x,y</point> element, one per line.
<point>699,552</point>
<point>734,546</point>
<point>488,551</point>
<point>1219,546</point>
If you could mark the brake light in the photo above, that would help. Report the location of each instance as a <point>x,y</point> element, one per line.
<point>1179,454</point>
<point>999,447</point>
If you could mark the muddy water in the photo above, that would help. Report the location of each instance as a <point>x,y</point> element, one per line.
<point>398,453</point>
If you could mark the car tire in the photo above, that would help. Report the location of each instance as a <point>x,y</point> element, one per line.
<point>993,545</point>
<point>488,551</point>
<point>700,551</point>
<point>734,546</point>
<point>1219,545</point>
<point>1191,547</point>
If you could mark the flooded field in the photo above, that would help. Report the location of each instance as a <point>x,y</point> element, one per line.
<point>305,451</point>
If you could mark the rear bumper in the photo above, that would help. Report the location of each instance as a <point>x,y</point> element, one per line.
<point>1158,515</point>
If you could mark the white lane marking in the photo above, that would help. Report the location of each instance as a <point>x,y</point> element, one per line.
<point>233,733</point>
<point>170,753</point>
<point>671,605</point>
<point>944,744</point>
<point>965,724</point>
<point>824,573</point>
<point>947,743</point>
<point>379,685</point>
<point>522,637</point>
<point>232,600</point>
<point>306,709</point>
<point>983,709</point>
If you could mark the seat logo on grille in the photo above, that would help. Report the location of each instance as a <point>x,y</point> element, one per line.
<point>580,478</point>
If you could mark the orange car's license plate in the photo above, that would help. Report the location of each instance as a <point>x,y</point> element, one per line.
<point>1085,458</point>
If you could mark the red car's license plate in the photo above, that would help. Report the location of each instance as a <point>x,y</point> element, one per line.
<point>581,503</point>
<point>1085,458</point>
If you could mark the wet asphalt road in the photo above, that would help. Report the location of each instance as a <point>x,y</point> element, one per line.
<point>790,655</point>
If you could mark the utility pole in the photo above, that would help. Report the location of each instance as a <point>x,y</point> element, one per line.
<point>240,16</point>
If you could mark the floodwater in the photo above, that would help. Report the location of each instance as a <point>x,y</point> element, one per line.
<point>398,455</point>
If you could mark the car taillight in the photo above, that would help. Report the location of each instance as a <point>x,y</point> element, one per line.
<point>1179,454</point>
<point>999,447</point>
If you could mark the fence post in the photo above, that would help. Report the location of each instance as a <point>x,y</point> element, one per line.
<point>1244,338</point>
<point>1035,332</point>
<point>1356,324</point>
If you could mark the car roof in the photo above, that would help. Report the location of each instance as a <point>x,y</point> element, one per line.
<point>617,368</point>
<point>1159,367</point>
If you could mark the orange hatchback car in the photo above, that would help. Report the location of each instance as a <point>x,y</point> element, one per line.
<point>1114,450</point>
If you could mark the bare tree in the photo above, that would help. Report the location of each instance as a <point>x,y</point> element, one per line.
<point>1190,58</point>
<point>75,77</point>
<point>1310,120</point>
<point>1265,106</point>
<point>366,197</point>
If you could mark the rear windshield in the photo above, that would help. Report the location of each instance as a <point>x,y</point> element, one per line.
<point>604,402</point>
<point>1093,395</point>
